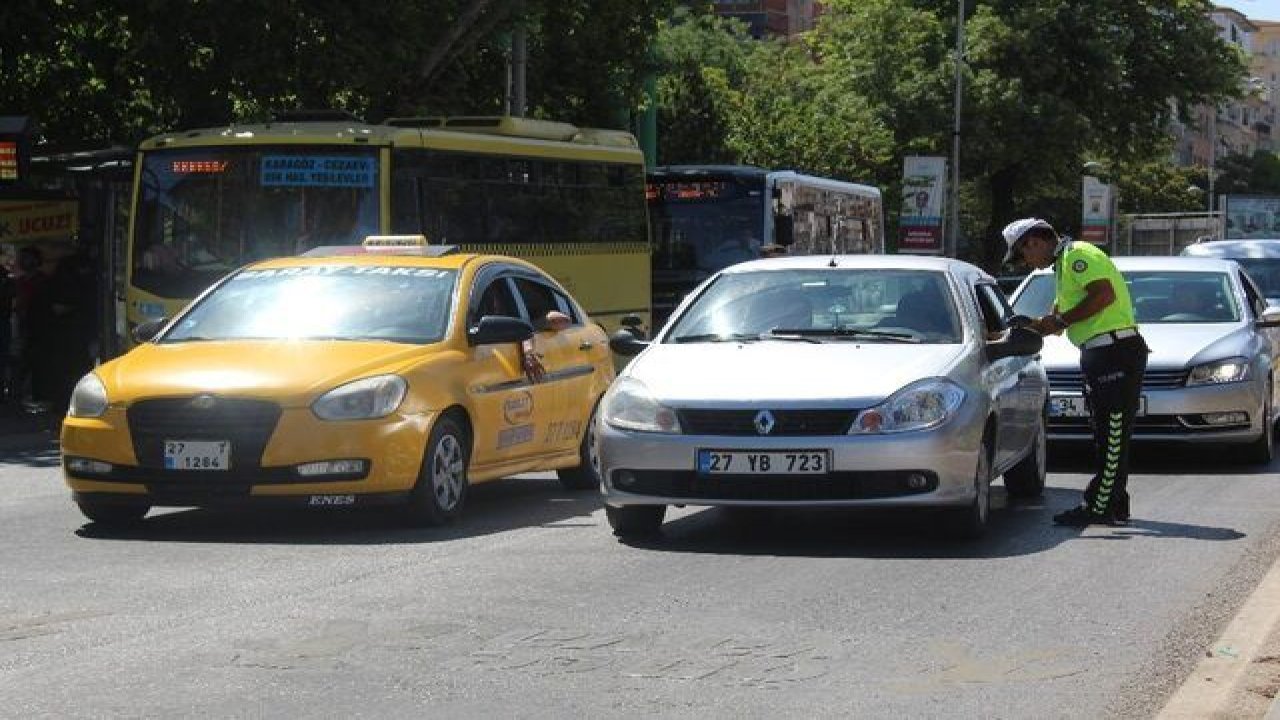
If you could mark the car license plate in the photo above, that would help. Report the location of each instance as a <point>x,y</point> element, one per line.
<point>1067,406</point>
<point>197,455</point>
<point>774,462</point>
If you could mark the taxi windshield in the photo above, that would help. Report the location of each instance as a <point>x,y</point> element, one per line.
<point>323,302</point>
<point>863,304</point>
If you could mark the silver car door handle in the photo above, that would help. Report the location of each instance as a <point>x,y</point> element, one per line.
<point>585,345</point>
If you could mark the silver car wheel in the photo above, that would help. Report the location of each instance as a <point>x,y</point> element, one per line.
<point>448,472</point>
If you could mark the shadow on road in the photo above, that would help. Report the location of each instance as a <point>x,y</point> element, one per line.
<point>1019,528</point>
<point>31,452</point>
<point>491,508</point>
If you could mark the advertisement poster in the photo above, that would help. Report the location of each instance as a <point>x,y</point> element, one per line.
<point>924,188</point>
<point>1252,216</point>
<point>1099,201</point>
<point>25,221</point>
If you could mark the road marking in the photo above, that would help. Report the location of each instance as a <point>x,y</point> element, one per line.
<point>1208,690</point>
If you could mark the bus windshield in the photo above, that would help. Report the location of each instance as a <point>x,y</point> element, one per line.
<point>705,225</point>
<point>204,212</point>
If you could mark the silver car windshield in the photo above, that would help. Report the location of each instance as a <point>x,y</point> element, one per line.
<point>329,302</point>
<point>1158,297</point>
<point>862,304</point>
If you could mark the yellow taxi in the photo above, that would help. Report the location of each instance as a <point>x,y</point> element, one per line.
<point>392,372</point>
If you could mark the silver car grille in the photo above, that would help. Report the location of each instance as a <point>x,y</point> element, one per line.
<point>785,423</point>
<point>1073,380</point>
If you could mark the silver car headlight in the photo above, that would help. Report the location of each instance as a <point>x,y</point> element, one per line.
<point>1222,371</point>
<point>918,406</point>
<point>629,406</point>
<point>365,399</point>
<point>89,398</point>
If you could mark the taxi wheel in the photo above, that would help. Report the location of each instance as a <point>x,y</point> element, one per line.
<point>970,522</point>
<point>113,514</point>
<point>1026,479</point>
<point>442,483</point>
<point>587,475</point>
<point>635,520</point>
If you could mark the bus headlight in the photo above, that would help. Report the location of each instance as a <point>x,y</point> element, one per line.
<point>89,398</point>
<point>918,406</point>
<point>365,399</point>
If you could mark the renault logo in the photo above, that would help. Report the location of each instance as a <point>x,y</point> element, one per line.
<point>204,402</point>
<point>764,422</point>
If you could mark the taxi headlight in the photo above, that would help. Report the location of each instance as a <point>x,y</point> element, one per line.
<point>918,406</point>
<point>365,399</point>
<point>89,398</point>
<point>1223,371</point>
<point>629,406</point>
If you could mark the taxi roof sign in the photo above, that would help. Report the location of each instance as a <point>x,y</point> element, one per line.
<point>367,249</point>
<point>395,241</point>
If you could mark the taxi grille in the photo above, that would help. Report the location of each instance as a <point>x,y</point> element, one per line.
<point>787,423</point>
<point>1073,380</point>
<point>246,424</point>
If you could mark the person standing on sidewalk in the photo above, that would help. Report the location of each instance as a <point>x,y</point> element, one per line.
<point>1092,306</point>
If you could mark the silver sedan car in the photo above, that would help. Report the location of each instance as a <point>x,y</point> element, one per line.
<point>848,381</point>
<point>1211,373</point>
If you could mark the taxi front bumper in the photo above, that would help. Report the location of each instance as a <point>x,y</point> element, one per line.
<point>108,457</point>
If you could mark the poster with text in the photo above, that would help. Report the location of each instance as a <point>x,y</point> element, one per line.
<point>924,188</point>
<point>1098,203</point>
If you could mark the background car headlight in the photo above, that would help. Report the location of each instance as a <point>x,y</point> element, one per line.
<point>365,399</point>
<point>89,398</point>
<point>1223,371</point>
<point>918,406</point>
<point>629,406</point>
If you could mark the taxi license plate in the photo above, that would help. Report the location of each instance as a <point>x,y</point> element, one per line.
<point>1066,406</point>
<point>774,462</point>
<point>197,455</point>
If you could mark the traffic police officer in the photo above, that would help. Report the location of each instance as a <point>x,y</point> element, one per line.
<point>1092,305</point>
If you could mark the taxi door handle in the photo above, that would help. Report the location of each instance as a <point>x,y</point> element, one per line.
<point>585,345</point>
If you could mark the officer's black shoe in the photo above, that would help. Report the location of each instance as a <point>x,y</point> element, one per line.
<point>1082,516</point>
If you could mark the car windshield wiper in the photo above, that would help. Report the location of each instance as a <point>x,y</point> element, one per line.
<point>715,337</point>
<point>789,334</point>
<point>851,333</point>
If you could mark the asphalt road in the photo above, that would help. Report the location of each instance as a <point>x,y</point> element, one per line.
<point>529,608</point>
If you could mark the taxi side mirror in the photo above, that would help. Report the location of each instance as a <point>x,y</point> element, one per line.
<point>498,329</point>
<point>1019,342</point>
<point>148,330</point>
<point>627,343</point>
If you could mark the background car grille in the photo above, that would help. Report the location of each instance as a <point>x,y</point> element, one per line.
<point>787,423</point>
<point>781,488</point>
<point>1073,380</point>
<point>247,424</point>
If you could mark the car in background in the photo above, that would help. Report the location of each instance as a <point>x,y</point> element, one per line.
<point>846,381</point>
<point>1211,374</point>
<point>377,374</point>
<point>1259,257</point>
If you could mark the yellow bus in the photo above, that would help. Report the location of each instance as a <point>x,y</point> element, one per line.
<point>569,199</point>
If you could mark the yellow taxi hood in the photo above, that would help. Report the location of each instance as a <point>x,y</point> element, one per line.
<point>291,372</point>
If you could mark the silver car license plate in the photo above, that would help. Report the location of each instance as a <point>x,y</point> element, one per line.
<point>772,462</point>
<point>1066,406</point>
<point>197,455</point>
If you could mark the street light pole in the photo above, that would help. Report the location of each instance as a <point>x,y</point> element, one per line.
<point>953,236</point>
<point>1213,152</point>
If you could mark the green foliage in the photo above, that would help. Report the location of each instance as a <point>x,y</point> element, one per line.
<point>117,70</point>
<point>1257,174</point>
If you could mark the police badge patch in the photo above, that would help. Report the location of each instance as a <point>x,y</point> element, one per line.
<point>1079,266</point>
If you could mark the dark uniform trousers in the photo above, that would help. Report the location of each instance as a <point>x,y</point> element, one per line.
<point>1113,386</point>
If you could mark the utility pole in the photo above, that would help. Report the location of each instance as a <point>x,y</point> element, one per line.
<point>953,235</point>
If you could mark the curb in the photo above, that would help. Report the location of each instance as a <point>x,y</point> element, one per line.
<point>24,441</point>
<point>1210,688</point>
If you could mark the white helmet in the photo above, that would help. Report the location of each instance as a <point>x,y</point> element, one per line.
<point>1014,231</point>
